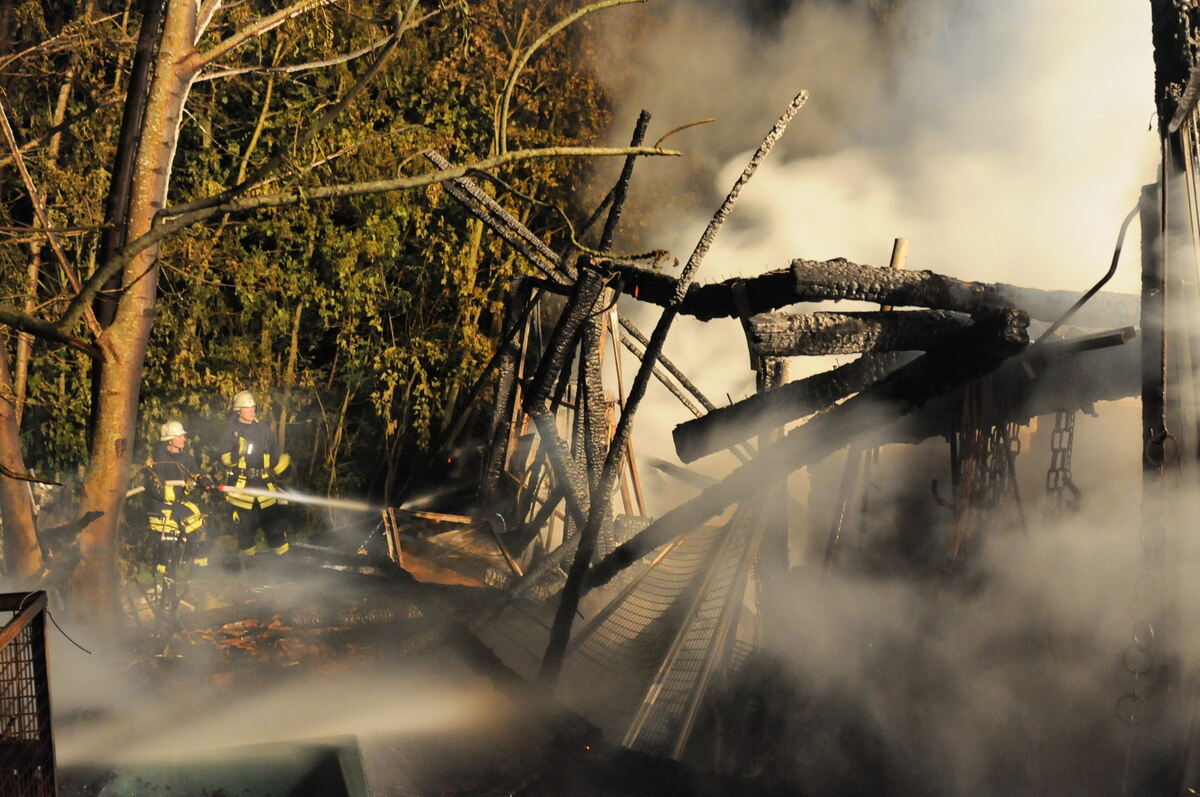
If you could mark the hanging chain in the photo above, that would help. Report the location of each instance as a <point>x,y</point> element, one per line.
<point>1061,492</point>
<point>985,466</point>
<point>1001,446</point>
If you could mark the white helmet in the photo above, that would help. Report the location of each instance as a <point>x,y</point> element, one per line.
<point>243,400</point>
<point>170,430</point>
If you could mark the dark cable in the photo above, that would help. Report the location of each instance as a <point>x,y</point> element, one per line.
<point>65,634</point>
<point>1112,269</point>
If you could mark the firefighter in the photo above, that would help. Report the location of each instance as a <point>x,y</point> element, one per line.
<point>252,460</point>
<point>174,515</point>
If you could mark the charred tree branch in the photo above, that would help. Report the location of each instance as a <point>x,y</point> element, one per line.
<point>499,220</point>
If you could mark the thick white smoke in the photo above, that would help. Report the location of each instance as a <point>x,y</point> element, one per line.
<point>1005,141</point>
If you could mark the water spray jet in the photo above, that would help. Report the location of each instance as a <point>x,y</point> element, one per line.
<point>301,498</point>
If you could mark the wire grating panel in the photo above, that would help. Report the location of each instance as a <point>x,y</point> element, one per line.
<point>699,644</point>
<point>26,738</point>
<point>613,661</point>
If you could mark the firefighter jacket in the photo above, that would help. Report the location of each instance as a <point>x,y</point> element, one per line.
<point>171,513</point>
<point>252,459</point>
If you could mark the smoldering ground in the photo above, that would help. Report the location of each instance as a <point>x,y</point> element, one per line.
<point>424,721</point>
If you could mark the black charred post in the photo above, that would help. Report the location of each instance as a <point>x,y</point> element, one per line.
<point>580,306</point>
<point>1154,367</point>
<point>593,410</point>
<point>507,361</point>
<point>726,426</point>
<point>787,334</point>
<point>621,190</point>
<point>993,338</point>
<point>590,411</point>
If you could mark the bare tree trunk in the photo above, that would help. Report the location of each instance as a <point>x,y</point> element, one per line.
<point>33,271</point>
<point>289,376</point>
<point>33,274</point>
<point>107,475</point>
<point>22,555</point>
<point>336,443</point>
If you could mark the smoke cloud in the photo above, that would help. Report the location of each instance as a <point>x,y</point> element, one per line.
<point>1006,141</point>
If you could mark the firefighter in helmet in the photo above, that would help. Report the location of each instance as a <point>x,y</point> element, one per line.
<point>252,460</point>
<point>174,515</point>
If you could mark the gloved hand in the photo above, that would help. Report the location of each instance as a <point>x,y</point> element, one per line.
<point>205,482</point>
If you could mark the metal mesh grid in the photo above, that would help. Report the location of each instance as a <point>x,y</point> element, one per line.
<point>26,741</point>
<point>677,689</point>
<point>615,658</point>
<point>664,623</point>
<point>519,634</point>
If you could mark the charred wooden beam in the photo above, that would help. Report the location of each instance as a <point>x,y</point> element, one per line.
<point>560,631</point>
<point>993,338</point>
<point>787,334</point>
<point>1070,375</point>
<point>621,190</point>
<point>727,426</point>
<point>1154,338</point>
<point>517,306</point>
<point>594,414</point>
<point>840,279</point>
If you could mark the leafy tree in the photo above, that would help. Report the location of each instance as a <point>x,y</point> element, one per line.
<point>361,311</point>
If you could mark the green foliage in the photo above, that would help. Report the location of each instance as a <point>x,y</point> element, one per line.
<point>397,297</point>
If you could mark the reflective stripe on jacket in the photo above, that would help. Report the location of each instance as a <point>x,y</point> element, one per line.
<point>252,459</point>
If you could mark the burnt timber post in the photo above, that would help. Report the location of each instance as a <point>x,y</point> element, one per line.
<point>773,554</point>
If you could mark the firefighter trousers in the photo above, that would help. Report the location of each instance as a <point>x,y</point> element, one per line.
<point>248,522</point>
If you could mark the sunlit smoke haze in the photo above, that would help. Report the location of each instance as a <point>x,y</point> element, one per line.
<point>1005,141</point>
<point>368,702</point>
